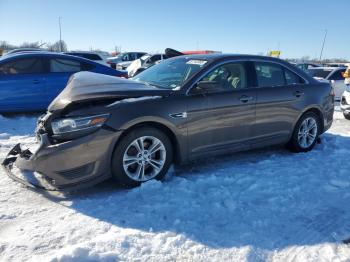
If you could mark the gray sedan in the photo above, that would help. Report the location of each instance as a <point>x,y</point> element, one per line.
<point>182,109</point>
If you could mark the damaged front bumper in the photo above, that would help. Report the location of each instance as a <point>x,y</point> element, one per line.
<point>66,166</point>
<point>19,166</point>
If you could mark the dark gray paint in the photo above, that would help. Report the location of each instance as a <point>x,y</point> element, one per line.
<point>216,123</point>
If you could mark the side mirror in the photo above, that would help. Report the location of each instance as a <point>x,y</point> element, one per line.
<point>207,87</point>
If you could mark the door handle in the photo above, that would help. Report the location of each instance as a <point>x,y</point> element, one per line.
<point>298,93</point>
<point>245,99</point>
<point>36,81</point>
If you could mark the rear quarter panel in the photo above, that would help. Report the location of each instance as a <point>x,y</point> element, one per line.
<point>318,96</point>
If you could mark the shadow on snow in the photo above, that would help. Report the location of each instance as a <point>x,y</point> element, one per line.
<point>269,199</point>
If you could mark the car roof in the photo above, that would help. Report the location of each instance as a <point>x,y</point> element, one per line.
<point>82,52</point>
<point>46,53</point>
<point>218,56</point>
<point>24,49</point>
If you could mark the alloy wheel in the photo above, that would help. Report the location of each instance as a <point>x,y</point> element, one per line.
<point>144,158</point>
<point>307,133</point>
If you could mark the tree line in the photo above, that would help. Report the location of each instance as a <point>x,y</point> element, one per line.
<point>58,46</point>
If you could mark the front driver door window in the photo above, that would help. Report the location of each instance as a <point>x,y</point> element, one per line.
<point>223,113</point>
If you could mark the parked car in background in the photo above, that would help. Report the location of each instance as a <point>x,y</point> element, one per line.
<point>332,74</point>
<point>336,64</point>
<point>127,57</point>
<point>184,108</point>
<point>307,66</point>
<point>345,102</point>
<point>97,57</point>
<point>149,60</point>
<point>30,81</point>
<point>143,63</point>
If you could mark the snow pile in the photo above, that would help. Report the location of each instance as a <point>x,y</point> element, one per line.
<point>253,206</point>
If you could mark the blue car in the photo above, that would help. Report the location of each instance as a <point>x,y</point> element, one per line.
<point>30,81</point>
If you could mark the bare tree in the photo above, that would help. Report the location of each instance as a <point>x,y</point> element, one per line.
<point>58,46</point>
<point>30,45</point>
<point>6,46</point>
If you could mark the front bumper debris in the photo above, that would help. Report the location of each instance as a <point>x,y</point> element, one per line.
<point>23,171</point>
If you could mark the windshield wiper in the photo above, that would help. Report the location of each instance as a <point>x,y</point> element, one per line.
<point>155,85</point>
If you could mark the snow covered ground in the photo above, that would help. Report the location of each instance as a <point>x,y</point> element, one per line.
<point>267,205</point>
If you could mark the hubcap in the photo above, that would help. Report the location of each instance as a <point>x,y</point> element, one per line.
<point>307,132</point>
<point>144,158</point>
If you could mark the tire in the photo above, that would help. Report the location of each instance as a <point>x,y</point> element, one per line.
<point>347,116</point>
<point>304,137</point>
<point>132,166</point>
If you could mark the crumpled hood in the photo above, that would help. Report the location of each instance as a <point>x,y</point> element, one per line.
<point>85,86</point>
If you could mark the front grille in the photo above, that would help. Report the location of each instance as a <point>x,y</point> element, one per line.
<point>77,172</point>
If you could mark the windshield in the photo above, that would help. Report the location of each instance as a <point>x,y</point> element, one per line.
<point>321,73</point>
<point>172,73</point>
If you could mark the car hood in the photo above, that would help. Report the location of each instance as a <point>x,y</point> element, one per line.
<point>86,86</point>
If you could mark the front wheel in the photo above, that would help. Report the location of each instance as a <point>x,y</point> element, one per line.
<point>143,154</point>
<point>305,133</point>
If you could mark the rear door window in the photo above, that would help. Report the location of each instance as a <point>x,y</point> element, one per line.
<point>269,74</point>
<point>292,78</point>
<point>23,66</point>
<point>58,65</point>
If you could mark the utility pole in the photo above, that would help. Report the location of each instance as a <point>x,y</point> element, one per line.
<point>324,41</point>
<point>59,24</point>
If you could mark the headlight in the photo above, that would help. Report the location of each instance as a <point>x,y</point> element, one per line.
<point>74,124</point>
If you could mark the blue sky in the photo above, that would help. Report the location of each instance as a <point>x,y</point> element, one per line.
<point>297,27</point>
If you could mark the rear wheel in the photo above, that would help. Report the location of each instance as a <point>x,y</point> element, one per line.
<point>305,133</point>
<point>143,154</point>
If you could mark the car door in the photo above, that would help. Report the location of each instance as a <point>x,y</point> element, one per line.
<point>337,82</point>
<point>280,95</point>
<point>22,84</point>
<point>220,118</point>
<point>60,70</point>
